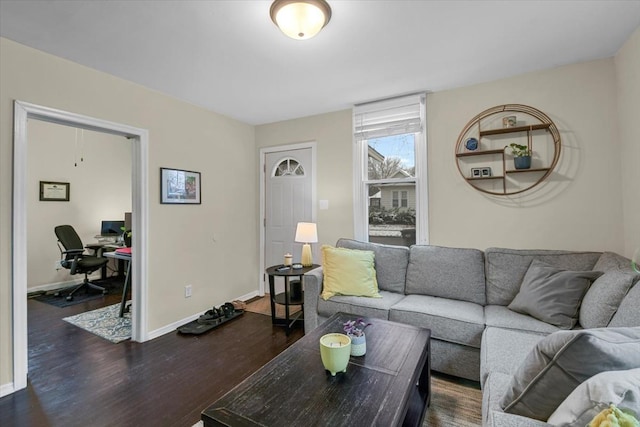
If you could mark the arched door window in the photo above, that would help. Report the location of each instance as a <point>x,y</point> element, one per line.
<point>289,167</point>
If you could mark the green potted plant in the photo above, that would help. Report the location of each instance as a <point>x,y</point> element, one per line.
<point>355,331</point>
<point>126,236</point>
<point>521,156</point>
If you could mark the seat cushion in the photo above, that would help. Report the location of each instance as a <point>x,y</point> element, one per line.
<point>390,262</point>
<point>504,350</point>
<point>366,307</point>
<point>505,268</point>
<point>552,294</point>
<point>500,316</point>
<point>456,273</point>
<point>450,320</point>
<point>561,361</point>
<point>492,391</point>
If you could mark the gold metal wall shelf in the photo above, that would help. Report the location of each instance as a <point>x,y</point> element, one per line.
<point>484,127</point>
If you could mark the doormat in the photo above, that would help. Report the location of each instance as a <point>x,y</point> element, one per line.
<point>114,286</point>
<point>104,322</point>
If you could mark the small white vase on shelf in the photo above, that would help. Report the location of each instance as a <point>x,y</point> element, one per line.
<point>358,345</point>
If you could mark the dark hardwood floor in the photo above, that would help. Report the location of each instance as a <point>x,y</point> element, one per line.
<point>79,379</point>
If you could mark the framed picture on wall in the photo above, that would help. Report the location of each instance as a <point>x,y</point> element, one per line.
<point>54,191</point>
<point>179,186</point>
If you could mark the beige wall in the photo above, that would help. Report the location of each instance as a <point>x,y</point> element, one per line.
<point>100,186</point>
<point>207,245</point>
<point>332,133</point>
<point>628,73</point>
<point>579,208</point>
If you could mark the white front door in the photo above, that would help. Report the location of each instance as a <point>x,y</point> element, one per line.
<point>288,200</point>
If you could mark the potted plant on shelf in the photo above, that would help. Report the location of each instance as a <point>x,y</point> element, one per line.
<point>521,156</point>
<point>355,331</point>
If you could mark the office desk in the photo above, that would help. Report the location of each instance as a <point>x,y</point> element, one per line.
<point>101,247</point>
<point>127,278</point>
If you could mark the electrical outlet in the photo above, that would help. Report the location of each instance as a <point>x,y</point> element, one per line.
<point>187,291</point>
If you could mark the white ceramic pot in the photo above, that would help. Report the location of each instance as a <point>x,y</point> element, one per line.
<point>358,345</point>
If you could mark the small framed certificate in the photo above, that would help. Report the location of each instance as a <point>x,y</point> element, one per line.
<point>54,191</point>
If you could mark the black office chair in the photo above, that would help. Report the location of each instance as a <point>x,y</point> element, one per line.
<point>74,258</point>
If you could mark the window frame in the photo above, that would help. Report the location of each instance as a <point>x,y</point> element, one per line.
<point>361,181</point>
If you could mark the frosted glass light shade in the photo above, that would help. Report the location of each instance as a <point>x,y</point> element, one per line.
<point>300,19</point>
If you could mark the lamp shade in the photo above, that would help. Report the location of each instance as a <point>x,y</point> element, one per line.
<point>306,232</point>
<point>300,19</point>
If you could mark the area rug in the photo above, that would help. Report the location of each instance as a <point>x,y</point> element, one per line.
<point>104,322</point>
<point>114,286</point>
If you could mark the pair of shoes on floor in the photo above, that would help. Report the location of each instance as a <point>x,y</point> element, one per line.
<point>217,315</point>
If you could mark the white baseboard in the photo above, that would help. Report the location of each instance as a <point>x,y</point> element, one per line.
<point>248,296</point>
<point>175,325</point>
<point>60,285</point>
<point>6,389</point>
<point>172,326</point>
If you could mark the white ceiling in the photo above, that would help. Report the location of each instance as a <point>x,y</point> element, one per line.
<point>228,56</point>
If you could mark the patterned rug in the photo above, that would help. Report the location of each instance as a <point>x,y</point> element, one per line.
<point>104,322</point>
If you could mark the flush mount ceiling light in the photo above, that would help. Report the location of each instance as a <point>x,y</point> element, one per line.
<point>300,19</point>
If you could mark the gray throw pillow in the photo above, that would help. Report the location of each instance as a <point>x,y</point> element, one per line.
<point>628,313</point>
<point>620,388</point>
<point>551,294</point>
<point>563,360</point>
<point>603,298</point>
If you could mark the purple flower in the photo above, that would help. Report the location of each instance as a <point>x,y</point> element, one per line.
<point>355,327</point>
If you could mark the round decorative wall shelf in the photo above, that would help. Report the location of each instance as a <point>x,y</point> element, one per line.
<point>481,150</point>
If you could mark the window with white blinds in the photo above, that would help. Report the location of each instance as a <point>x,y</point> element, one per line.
<point>389,117</point>
<point>390,203</point>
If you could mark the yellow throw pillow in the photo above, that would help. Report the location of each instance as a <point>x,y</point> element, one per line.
<point>348,272</point>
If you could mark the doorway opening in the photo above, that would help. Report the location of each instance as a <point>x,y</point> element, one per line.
<point>139,172</point>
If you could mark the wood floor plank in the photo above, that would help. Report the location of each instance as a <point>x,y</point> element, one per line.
<point>79,379</point>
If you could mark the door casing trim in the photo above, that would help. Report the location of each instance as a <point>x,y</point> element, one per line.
<point>261,224</point>
<point>140,207</point>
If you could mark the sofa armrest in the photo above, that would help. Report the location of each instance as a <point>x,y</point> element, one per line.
<point>501,419</point>
<point>312,289</point>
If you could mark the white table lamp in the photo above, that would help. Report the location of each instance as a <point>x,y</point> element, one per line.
<point>306,232</point>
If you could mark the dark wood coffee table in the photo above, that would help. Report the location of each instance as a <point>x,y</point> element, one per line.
<point>389,386</point>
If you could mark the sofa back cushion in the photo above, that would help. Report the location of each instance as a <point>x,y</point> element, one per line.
<point>454,273</point>
<point>505,268</point>
<point>390,262</point>
<point>604,297</point>
<point>628,314</point>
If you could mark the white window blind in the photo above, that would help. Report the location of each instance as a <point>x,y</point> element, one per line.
<point>389,117</point>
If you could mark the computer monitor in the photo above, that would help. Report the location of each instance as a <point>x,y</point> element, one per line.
<point>111,228</point>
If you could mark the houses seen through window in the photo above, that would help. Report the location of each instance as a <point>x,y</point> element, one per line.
<point>389,134</point>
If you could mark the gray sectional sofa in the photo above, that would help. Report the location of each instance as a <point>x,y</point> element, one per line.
<point>462,295</point>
